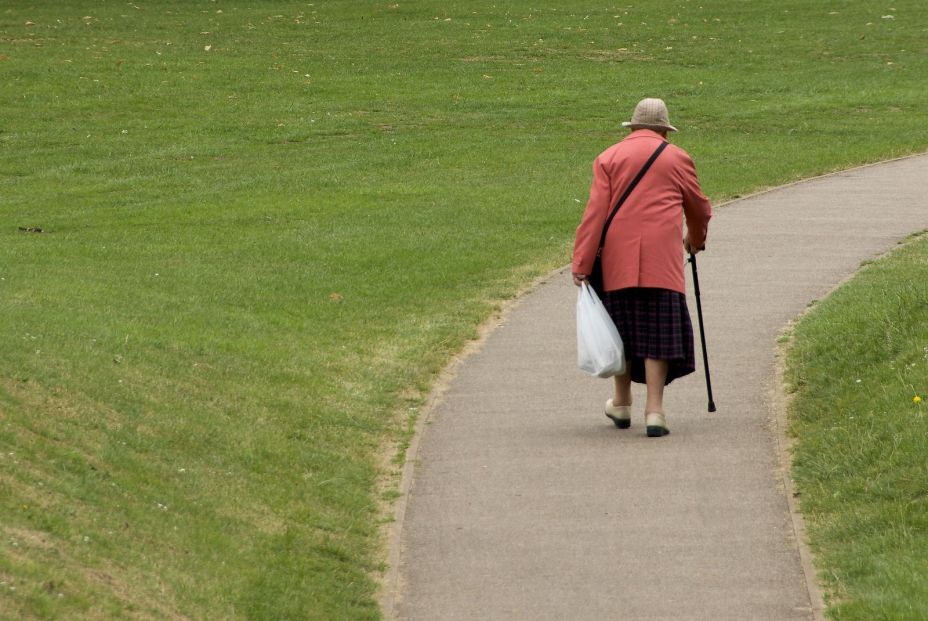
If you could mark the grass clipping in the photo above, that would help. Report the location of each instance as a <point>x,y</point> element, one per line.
<point>858,372</point>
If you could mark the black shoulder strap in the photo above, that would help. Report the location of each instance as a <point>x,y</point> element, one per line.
<point>628,190</point>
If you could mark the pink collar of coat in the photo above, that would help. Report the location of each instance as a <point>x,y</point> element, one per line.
<point>644,133</point>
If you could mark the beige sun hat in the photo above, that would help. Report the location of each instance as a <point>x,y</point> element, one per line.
<point>650,113</point>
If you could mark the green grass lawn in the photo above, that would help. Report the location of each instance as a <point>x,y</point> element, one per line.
<point>859,368</point>
<point>267,225</point>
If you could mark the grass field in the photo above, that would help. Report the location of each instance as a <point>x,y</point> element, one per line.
<point>266,225</point>
<point>859,368</point>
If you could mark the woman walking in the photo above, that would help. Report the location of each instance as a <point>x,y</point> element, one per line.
<point>642,257</point>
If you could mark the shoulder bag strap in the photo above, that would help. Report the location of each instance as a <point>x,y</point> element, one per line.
<point>628,190</point>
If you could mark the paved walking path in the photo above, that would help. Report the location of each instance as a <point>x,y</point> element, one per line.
<point>528,504</point>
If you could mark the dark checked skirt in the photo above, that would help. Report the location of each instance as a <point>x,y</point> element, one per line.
<point>653,323</point>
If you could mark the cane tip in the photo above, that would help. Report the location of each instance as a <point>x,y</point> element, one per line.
<point>711,406</point>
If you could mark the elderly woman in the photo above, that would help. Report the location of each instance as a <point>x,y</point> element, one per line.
<point>642,257</point>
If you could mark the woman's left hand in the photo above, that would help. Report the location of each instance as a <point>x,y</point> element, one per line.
<point>689,248</point>
<point>578,278</point>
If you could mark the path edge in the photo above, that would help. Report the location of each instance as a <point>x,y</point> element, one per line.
<point>779,403</point>
<point>780,400</point>
<point>833,173</point>
<point>390,583</point>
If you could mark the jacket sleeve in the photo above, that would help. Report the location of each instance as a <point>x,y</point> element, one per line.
<point>590,230</point>
<point>696,206</point>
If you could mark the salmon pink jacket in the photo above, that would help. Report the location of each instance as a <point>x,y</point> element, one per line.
<point>644,245</point>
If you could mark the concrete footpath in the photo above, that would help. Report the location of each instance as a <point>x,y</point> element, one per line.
<point>527,503</point>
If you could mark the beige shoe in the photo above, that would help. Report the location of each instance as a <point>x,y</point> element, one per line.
<point>656,424</point>
<point>621,415</point>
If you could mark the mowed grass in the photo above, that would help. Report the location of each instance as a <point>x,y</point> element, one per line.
<point>267,225</point>
<point>859,368</point>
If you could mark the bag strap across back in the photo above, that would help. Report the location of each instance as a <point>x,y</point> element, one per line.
<point>627,192</point>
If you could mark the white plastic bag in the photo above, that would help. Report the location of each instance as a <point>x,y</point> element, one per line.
<point>600,351</point>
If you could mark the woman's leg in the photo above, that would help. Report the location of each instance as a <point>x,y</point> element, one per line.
<point>655,373</point>
<point>623,388</point>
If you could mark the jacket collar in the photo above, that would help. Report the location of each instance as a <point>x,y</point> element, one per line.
<point>644,133</point>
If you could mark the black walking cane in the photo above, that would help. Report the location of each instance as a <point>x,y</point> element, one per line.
<point>702,332</point>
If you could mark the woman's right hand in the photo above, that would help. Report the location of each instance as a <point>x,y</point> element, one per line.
<point>578,278</point>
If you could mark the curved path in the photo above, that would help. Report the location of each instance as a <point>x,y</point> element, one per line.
<point>528,504</point>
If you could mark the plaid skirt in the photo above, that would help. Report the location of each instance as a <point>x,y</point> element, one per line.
<point>653,323</point>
